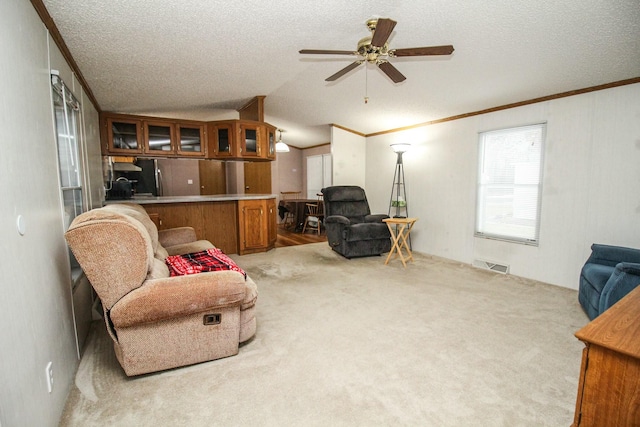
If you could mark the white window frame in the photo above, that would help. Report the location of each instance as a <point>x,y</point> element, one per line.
<point>498,213</point>
<point>67,115</point>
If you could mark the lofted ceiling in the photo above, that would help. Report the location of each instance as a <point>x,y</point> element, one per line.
<point>204,59</point>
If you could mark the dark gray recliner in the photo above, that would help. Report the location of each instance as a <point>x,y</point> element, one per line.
<point>351,229</point>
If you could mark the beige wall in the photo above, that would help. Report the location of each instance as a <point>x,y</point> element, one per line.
<point>35,308</point>
<point>590,183</point>
<point>348,152</point>
<point>289,171</point>
<point>315,151</point>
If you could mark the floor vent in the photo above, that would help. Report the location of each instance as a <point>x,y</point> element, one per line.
<point>489,265</point>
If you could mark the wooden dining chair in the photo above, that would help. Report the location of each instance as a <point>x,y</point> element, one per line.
<point>320,207</point>
<point>312,219</point>
<point>288,195</point>
<point>289,217</point>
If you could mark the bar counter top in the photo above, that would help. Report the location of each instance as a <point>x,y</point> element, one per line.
<point>151,200</point>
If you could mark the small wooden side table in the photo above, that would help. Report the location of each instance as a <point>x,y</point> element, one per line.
<point>400,229</point>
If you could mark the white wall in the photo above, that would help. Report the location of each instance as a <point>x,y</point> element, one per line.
<point>590,187</point>
<point>35,308</point>
<point>348,153</point>
<point>314,151</point>
<point>289,171</point>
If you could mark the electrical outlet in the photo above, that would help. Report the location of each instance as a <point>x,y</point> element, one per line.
<point>49,374</point>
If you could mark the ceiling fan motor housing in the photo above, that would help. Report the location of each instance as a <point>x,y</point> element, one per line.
<point>370,52</point>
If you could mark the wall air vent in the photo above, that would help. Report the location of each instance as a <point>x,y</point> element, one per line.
<point>490,265</point>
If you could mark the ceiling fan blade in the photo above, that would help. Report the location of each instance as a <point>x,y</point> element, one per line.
<point>392,72</point>
<point>383,30</point>
<point>344,71</point>
<point>423,51</point>
<point>327,52</point>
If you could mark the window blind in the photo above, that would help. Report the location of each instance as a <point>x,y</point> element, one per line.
<point>510,183</point>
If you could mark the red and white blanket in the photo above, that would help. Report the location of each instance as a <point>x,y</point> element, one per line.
<point>199,262</point>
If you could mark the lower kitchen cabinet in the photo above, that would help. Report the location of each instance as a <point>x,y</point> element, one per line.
<point>234,226</point>
<point>256,220</point>
<point>272,222</point>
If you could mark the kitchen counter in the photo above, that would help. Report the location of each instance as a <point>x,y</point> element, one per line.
<point>151,200</point>
<point>235,223</point>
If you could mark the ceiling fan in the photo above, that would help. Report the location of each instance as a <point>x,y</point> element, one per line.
<point>375,50</point>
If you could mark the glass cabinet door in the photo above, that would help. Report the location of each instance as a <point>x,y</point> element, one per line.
<point>123,136</point>
<point>224,141</point>
<point>190,140</point>
<point>271,143</point>
<point>250,140</point>
<point>158,137</point>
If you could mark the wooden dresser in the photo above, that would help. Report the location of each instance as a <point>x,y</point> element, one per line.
<point>609,388</point>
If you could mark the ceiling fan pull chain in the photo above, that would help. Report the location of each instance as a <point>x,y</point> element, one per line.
<point>366,83</point>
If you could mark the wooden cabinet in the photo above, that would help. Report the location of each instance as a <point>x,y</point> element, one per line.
<point>216,222</point>
<point>121,135</point>
<point>241,140</point>
<point>272,222</point>
<point>173,138</point>
<point>159,138</point>
<point>250,139</point>
<point>270,141</point>
<point>256,219</point>
<point>153,137</point>
<point>130,135</point>
<point>222,140</point>
<point>190,139</point>
<point>236,227</point>
<point>609,388</point>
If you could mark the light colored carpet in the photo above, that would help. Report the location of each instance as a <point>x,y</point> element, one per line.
<point>357,343</point>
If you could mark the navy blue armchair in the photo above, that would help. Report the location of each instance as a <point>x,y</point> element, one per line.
<point>610,273</point>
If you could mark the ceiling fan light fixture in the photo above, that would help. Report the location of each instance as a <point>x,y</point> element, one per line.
<point>281,147</point>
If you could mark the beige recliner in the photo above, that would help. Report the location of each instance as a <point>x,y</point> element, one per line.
<point>159,322</point>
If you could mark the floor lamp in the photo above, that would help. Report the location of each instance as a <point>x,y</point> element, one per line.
<point>398,199</point>
<point>398,192</point>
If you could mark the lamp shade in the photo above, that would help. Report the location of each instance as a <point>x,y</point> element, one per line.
<point>281,147</point>
<point>400,147</point>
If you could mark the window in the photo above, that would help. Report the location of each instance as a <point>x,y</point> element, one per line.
<point>510,184</point>
<point>67,118</point>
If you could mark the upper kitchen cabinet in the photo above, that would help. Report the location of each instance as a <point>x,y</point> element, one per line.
<point>241,140</point>
<point>121,135</point>
<point>191,139</point>
<point>159,137</point>
<point>222,140</point>
<point>270,139</point>
<point>238,139</point>
<point>173,138</point>
<point>250,139</point>
<point>153,137</point>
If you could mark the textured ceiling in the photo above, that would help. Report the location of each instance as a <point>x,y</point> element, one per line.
<point>203,59</point>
